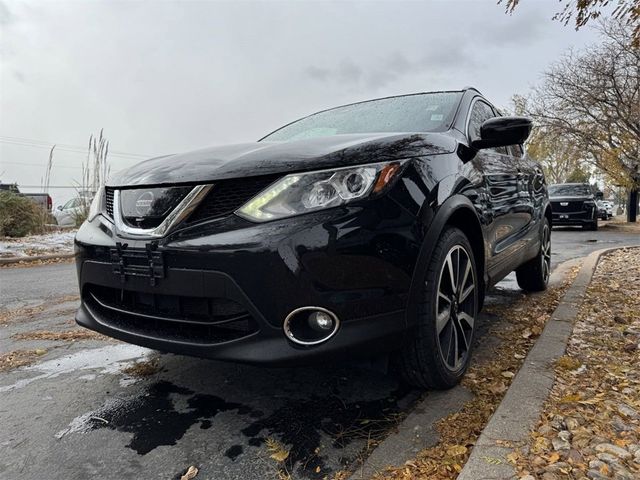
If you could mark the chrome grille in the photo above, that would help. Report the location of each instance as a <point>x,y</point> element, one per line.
<point>109,201</point>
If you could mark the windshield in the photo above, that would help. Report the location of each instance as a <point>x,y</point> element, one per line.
<point>422,112</point>
<point>568,190</point>
<point>71,203</point>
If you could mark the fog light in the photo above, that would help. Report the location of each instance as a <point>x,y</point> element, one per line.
<point>310,325</point>
<point>320,321</point>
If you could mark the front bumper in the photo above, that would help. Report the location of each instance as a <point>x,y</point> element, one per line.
<point>227,286</point>
<point>569,220</point>
<point>584,215</point>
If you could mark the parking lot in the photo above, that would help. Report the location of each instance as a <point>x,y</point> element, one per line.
<point>93,407</point>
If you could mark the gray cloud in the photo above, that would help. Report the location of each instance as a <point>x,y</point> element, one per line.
<point>520,30</point>
<point>19,76</point>
<point>170,76</point>
<point>386,70</point>
<point>6,17</point>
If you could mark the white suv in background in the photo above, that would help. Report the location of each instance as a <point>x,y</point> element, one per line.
<point>67,215</point>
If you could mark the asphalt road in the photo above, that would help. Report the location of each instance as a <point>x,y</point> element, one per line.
<point>76,414</point>
<point>24,286</point>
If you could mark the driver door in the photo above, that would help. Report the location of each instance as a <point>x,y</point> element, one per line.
<point>501,181</point>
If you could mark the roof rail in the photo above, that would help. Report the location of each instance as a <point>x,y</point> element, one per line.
<point>468,87</point>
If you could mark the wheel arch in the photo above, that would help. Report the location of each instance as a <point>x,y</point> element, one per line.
<point>466,220</point>
<point>459,212</point>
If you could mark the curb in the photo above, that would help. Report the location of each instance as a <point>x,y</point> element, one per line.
<point>522,405</point>
<point>36,258</point>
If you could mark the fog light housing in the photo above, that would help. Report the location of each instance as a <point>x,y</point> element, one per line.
<point>310,325</point>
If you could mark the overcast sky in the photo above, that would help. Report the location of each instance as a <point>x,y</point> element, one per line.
<point>169,76</point>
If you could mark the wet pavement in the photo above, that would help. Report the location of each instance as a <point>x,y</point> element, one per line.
<point>77,414</point>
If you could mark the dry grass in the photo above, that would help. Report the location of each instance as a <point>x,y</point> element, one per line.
<point>619,224</point>
<point>38,263</point>
<point>19,358</point>
<point>568,363</point>
<point>64,336</point>
<point>142,369</point>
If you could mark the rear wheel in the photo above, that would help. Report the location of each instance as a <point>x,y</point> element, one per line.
<point>533,276</point>
<point>440,352</point>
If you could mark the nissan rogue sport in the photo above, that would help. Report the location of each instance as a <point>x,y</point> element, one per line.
<point>367,228</point>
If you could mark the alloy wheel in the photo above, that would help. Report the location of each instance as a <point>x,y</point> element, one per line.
<point>545,250</point>
<point>456,307</point>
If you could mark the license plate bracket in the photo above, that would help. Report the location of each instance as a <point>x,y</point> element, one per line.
<point>137,262</point>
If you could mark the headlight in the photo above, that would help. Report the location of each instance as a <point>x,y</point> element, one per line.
<point>97,205</point>
<point>306,192</point>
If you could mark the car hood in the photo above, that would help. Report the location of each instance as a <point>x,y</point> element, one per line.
<point>263,158</point>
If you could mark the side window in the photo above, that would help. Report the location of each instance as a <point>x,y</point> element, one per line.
<point>516,151</point>
<point>480,112</point>
<point>70,204</point>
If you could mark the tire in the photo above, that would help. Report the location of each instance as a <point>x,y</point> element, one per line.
<point>593,226</point>
<point>432,358</point>
<point>533,276</point>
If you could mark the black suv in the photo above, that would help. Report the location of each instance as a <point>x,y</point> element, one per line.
<point>367,228</point>
<point>574,204</point>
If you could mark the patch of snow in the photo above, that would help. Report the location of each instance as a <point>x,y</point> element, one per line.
<point>83,423</point>
<point>109,360</point>
<point>55,242</point>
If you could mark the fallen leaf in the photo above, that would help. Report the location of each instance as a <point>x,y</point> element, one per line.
<point>456,450</point>
<point>553,458</point>
<point>190,473</point>
<point>278,451</point>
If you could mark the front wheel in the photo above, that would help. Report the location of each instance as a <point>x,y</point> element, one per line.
<point>533,276</point>
<point>593,226</point>
<point>440,352</point>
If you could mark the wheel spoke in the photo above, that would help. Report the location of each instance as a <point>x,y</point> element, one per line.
<point>464,294</point>
<point>468,319</point>
<point>457,270</point>
<point>442,319</point>
<point>442,296</point>
<point>464,281</point>
<point>452,351</point>
<point>451,274</point>
<point>464,336</point>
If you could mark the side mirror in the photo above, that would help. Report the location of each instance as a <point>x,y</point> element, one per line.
<point>599,195</point>
<point>59,207</point>
<point>503,131</point>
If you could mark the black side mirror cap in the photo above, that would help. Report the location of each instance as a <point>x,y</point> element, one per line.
<point>502,132</point>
